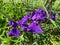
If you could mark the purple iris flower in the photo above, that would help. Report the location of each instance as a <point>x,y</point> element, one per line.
<point>14,32</point>
<point>24,19</point>
<point>33,13</point>
<point>12,23</point>
<point>39,15</point>
<point>35,28</point>
<point>49,12</point>
<point>53,16</point>
<point>24,27</point>
<point>41,11</point>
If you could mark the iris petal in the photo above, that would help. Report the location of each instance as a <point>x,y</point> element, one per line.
<point>14,32</point>
<point>12,23</point>
<point>35,28</point>
<point>53,16</point>
<point>39,15</point>
<point>24,27</point>
<point>23,20</point>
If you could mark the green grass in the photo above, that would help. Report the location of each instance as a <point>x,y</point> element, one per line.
<point>17,9</point>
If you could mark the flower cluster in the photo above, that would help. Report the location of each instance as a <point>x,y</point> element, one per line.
<point>33,26</point>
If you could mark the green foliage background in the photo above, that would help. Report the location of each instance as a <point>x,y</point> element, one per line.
<point>16,9</point>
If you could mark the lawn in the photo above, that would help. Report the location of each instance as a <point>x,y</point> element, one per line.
<point>29,22</point>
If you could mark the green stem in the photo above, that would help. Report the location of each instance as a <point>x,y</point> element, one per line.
<point>44,8</point>
<point>53,22</point>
